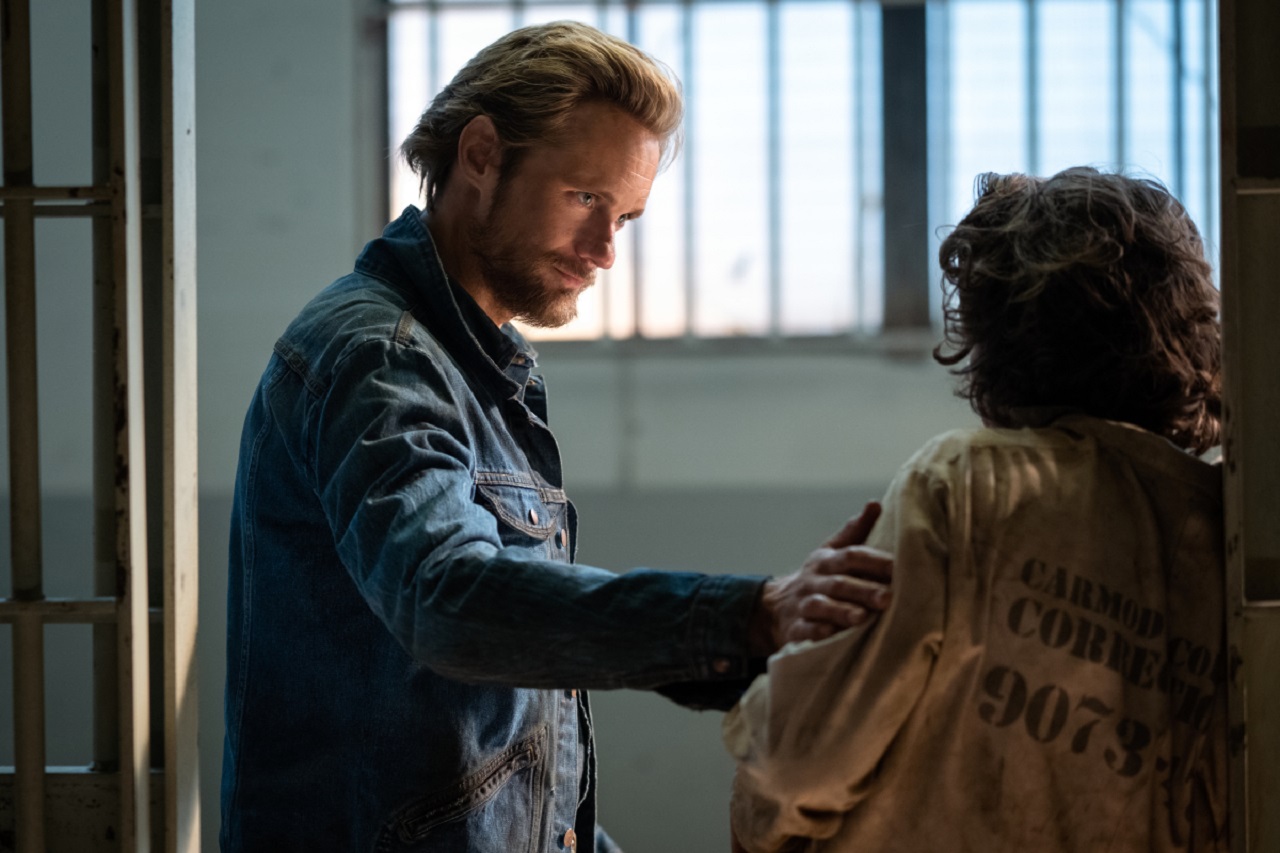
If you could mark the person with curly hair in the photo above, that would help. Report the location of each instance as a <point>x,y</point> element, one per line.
<point>1049,675</point>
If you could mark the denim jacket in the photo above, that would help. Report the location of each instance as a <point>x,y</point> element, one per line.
<point>408,637</point>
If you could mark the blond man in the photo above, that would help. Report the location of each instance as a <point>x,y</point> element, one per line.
<point>408,636</point>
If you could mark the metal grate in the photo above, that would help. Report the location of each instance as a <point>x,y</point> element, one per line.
<point>62,809</point>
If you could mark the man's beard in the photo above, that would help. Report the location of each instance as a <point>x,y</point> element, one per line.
<point>523,282</point>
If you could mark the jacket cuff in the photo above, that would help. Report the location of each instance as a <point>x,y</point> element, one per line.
<point>719,627</point>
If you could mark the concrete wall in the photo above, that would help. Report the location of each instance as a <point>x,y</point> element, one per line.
<point>713,462</point>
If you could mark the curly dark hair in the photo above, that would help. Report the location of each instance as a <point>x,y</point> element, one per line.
<point>1086,291</point>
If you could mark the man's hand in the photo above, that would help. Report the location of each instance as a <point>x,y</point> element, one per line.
<point>839,586</point>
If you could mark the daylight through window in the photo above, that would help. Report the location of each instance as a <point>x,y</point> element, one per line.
<point>771,223</point>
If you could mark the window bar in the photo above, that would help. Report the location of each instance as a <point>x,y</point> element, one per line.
<point>606,291</point>
<point>433,52</point>
<point>690,226</point>
<point>637,235</point>
<point>938,109</point>
<point>1179,103</point>
<point>773,106</point>
<point>24,430</point>
<point>858,184</point>
<point>371,132</point>
<point>903,82</point>
<point>1208,41</point>
<point>1120,24</point>
<point>1033,87</point>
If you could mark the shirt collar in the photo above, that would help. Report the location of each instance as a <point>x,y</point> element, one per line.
<point>407,253</point>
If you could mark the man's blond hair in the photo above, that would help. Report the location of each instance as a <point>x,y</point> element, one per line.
<point>528,82</point>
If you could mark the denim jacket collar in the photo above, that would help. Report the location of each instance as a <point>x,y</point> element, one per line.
<point>407,252</point>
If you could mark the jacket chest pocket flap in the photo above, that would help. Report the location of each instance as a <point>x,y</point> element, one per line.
<point>535,511</point>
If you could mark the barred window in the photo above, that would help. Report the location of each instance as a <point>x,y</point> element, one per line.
<point>773,222</point>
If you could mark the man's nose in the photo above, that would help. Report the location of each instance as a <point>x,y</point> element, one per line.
<point>595,243</point>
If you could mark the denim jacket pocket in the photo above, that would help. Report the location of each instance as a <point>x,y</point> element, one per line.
<point>415,821</point>
<point>535,511</point>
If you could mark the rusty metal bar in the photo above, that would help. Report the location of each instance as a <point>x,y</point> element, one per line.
<point>24,427</point>
<point>86,209</point>
<point>130,473</point>
<point>8,193</point>
<point>82,808</point>
<point>29,733</point>
<point>66,611</point>
<point>106,687</point>
<point>1256,639</point>
<point>180,452</point>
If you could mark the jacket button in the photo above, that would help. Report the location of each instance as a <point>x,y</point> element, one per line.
<point>533,516</point>
<point>564,538</point>
<point>571,840</point>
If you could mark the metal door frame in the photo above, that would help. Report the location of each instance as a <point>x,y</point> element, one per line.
<point>48,811</point>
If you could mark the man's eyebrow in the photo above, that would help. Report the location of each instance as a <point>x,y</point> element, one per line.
<point>606,195</point>
<point>610,198</point>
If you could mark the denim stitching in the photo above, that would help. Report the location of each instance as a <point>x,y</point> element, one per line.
<point>470,792</point>
<point>541,532</point>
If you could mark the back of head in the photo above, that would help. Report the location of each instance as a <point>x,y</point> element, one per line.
<point>528,82</point>
<point>1085,291</point>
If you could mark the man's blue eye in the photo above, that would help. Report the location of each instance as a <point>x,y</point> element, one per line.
<point>586,199</point>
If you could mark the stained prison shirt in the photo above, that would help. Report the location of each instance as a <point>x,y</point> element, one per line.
<point>1049,676</point>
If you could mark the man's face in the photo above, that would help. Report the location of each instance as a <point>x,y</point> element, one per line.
<point>552,220</point>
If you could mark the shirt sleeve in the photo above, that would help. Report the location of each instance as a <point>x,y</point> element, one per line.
<point>389,449</point>
<point>809,735</point>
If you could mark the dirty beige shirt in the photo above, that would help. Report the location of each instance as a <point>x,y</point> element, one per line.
<point>1047,678</point>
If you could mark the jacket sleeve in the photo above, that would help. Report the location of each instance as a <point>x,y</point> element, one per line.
<point>809,735</point>
<point>391,461</point>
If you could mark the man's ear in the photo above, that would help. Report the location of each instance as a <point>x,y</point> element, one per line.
<point>480,158</point>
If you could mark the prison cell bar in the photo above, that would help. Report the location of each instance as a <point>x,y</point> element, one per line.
<point>179,457</point>
<point>1250,181</point>
<point>130,483</point>
<point>24,429</point>
<point>115,85</point>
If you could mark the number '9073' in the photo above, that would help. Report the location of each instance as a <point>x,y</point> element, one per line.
<point>1047,712</point>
